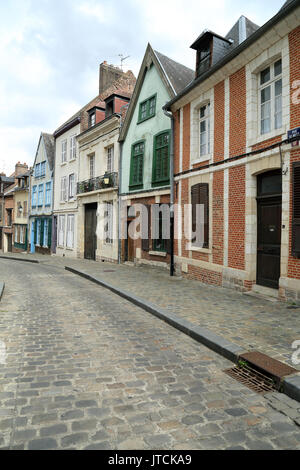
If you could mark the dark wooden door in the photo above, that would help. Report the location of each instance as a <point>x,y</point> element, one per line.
<point>129,247</point>
<point>269,243</point>
<point>9,241</point>
<point>90,227</point>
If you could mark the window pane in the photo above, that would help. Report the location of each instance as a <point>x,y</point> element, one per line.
<point>278,112</point>
<point>278,68</point>
<point>265,76</point>
<point>202,112</point>
<point>266,94</point>
<point>278,88</point>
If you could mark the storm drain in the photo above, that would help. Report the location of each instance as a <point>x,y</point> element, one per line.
<point>252,379</point>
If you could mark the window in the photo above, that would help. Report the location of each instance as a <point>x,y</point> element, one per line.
<point>38,232</point>
<point>17,233</point>
<point>70,231</point>
<point>147,109</point>
<point>73,147</point>
<point>19,212</point>
<point>48,194</point>
<point>61,230</point>
<point>92,119</point>
<point>64,151</point>
<point>296,211</point>
<point>71,186</point>
<point>137,165</point>
<point>37,172</point>
<point>161,162</point>
<point>34,196</point>
<point>46,232</point>
<point>270,91</point>
<point>158,244</point>
<point>204,130</point>
<point>92,166</point>
<point>200,195</point>
<point>22,235</point>
<point>204,59</point>
<point>25,209</point>
<point>63,189</point>
<point>110,159</point>
<point>108,228</point>
<point>41,195</point>
<point>43,169</point>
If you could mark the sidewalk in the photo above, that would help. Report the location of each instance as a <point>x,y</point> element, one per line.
<point>251,323</point>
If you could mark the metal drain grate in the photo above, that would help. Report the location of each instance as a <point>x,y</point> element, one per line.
<point>252,379</point>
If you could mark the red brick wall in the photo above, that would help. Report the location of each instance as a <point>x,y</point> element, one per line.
<point>204,275</point>
<point>237,207</point>
<point>219,111</point>
<point>237,127</point>
<point>176,117</point>
<point>184,200</point>
<point>218,217</point>
<point>294,43</point>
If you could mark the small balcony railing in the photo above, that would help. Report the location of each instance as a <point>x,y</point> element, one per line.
<point>109,180</point>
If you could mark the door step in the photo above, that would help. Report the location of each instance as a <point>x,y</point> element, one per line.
<point>265,293</point>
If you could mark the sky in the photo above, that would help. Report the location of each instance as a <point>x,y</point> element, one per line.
<point>50,52</point>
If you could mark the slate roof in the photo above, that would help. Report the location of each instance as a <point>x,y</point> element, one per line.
<point>234,33</point>
<point>49,144</point>
<point>179,75</point>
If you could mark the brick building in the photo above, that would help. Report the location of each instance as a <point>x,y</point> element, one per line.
<point>234,159</point>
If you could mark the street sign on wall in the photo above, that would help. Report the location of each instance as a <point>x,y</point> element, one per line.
<point>294,133</point>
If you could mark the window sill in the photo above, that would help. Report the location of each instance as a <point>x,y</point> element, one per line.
<point>72,160</point>
<point>156,184</point>
<point>202,159</point>
<point>163,254</point>
<point>207,251</point>
<point>63,163</point>
<point>135,188</point>
<point>270,135</point>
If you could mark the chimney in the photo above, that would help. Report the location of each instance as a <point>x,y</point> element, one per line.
<point>108,74</point>
<point>20,168</point>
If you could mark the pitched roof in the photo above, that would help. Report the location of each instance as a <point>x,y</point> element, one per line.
<point>49,145</point>
<point>234,33</point>
<point>179,75</point>
<point>175,77</point>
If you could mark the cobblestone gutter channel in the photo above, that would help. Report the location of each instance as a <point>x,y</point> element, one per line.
<point>290,385</point>
<point>2,286</point>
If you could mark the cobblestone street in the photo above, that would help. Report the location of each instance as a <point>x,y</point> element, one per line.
<point>88,370</point>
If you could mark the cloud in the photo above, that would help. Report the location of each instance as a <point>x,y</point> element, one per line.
<point>50,51</point>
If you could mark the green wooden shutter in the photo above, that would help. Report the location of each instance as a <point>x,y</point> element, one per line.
<point>296,211</point>
<point>49,232</point>
<point>42,232</point>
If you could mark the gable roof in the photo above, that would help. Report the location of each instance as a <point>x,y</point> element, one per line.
<point>235,32</point>
<point>122,86</point>
<point>49,145</point>
<point>175,77</point>
<point>48,140</point>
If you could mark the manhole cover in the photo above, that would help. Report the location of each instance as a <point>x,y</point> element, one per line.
<point>252,379</point>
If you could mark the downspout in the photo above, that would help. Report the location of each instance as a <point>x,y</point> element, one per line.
<point>170,115</point>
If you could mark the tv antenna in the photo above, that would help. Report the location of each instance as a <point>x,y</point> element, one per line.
<point>123,59</point>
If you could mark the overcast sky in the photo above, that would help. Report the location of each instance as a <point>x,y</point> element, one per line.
<point>50,51</point>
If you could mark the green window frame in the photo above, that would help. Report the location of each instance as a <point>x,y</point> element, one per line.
<point>161,159</point>
<point>137,165</point>
<point>147,109</point>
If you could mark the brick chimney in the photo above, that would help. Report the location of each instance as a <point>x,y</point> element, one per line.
<point>20,168</point>
<point>108,74</point>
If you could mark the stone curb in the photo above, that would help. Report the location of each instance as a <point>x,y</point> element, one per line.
<point>291,386</point>
<point>217,343</point>
<point>21,259</point>
<point>2,285</point>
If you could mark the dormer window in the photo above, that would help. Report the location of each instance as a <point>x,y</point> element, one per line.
<point>204,59</point>
<point>109,108</point>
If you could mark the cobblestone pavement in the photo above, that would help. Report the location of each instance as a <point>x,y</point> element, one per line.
<point>88,370</point>
<point>252,323</point>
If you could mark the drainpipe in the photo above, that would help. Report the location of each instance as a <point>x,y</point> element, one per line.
<point>170,115</point>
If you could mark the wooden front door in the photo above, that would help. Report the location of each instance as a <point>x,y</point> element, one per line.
<point>90,227</point>
<point>9,242</point>
<point>269,209</point>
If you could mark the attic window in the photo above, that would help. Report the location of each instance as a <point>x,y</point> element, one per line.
<point>204,58</point>
<point>109,110</point>
<point>92,119</point>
